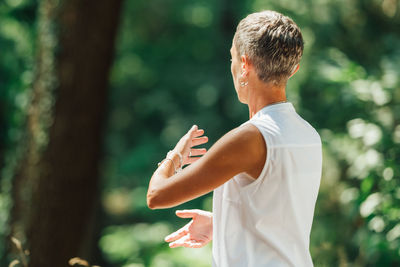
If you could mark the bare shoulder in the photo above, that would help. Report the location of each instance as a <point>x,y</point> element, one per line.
<point>254,148</point>
<point>244,148</point>
<point>249,132</point>
<point>248,138</point>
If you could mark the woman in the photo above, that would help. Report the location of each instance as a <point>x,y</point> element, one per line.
<point>265,174</point>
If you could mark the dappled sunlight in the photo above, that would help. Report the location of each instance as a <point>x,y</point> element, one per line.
<point>171,69</point>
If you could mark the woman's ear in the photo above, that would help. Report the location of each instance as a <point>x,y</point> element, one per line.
<point>245,65</point>
<point>295,70</point>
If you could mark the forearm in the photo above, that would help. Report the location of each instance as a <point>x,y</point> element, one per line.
<point>160,178</point>
<point>168,190</point>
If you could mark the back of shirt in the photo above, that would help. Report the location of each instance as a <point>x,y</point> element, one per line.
<point>267,221</point>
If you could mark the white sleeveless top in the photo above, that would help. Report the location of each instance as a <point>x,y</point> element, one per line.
<point>267,221</point>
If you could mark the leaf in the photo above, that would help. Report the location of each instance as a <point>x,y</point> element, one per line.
<point>17,243</point>
<point>78,260</point>
<point>13,263</point>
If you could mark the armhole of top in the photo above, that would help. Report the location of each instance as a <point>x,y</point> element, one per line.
<point>268,156</point>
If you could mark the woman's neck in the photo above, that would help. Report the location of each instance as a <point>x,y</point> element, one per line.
<point>264,94</point>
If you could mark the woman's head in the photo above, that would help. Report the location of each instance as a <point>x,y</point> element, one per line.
<point>273,44</point>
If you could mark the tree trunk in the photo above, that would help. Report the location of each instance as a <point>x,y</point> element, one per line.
<point>56,185</point>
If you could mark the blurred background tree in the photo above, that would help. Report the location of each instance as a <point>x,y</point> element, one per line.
<point>172,69</point>
<point>55,180</point>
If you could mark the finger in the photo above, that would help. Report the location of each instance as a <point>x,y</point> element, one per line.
<point>194,244</point>
<point>180,242</point>
<point>186,213</point>
<point>197,151</point>
<point>199,140</point>
<point>198,133</point>
<point>192,160</point>
<point>187,242</point>
<point>176,235</point>
<point>176,244</point>
<point>193,130</point>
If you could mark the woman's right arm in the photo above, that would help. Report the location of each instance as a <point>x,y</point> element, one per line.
<point>240,150</point>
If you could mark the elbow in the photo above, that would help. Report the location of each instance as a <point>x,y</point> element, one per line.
<point>151,204</point>
<point>157,200</point>
<point>152,200</point>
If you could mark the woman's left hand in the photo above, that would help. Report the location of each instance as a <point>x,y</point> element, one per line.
<point>194,137</point>
<point>196,234</point>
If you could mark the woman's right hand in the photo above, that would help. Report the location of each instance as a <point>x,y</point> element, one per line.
<point>196,234</point>
<point>192,138</point>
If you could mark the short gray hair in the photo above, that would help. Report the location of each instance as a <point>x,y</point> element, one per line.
<point>272,42</point>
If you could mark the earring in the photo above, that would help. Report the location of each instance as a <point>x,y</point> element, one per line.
<point>244,83</point>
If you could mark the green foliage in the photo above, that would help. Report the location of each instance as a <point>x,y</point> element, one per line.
<point>172,70</point>
<point>16,73</point>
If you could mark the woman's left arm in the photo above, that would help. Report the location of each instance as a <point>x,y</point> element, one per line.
<point>240,150</point>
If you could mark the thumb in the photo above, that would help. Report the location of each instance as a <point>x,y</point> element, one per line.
<point>193,129</point>
<point>186,213</point>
